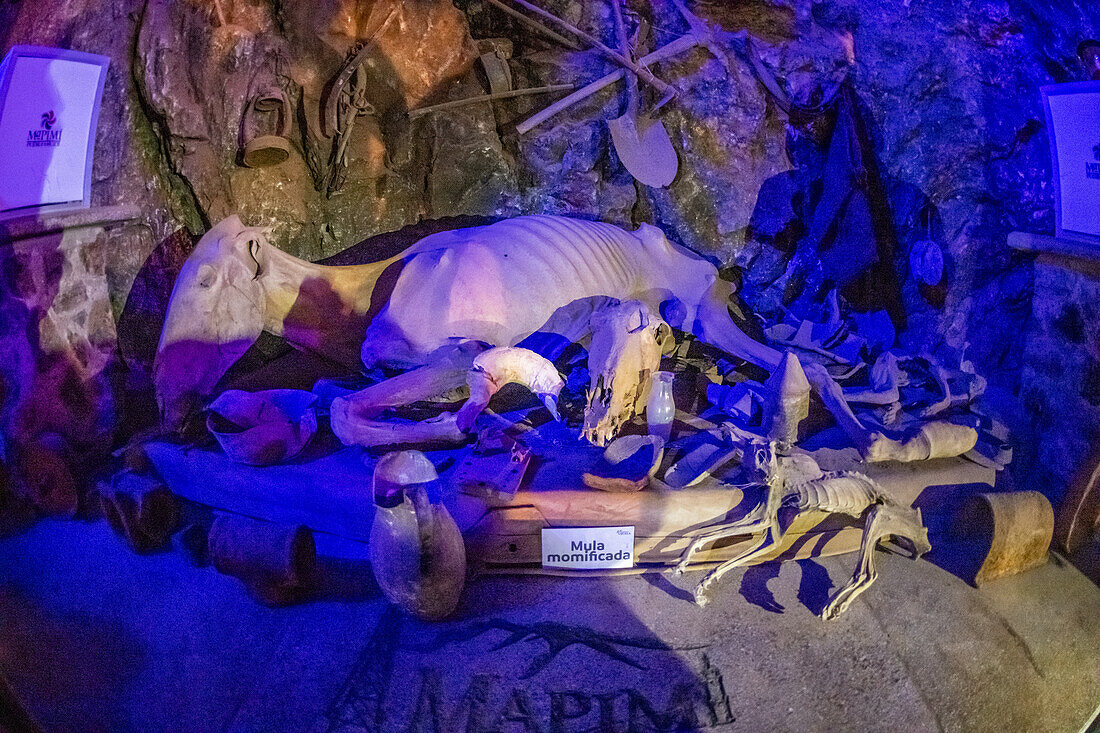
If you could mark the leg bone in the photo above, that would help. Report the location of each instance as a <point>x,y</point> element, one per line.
<point>883,520</point>
<point>763,545</point>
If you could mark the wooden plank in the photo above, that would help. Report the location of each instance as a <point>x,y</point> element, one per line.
<point>666,521</point>
<point>502,553</point>
<point>1064,246</point>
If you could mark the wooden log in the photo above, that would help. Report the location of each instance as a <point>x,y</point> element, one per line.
<point>276,562</point>
<point>327,495</point>
<point>140,509</point>
<point>532,23</point>
<point>643,73</point>
<point>455,104</point>
<point>1016,525</point>
<point>370,433</point>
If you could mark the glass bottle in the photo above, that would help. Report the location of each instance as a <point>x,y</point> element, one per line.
<point>660,409</point>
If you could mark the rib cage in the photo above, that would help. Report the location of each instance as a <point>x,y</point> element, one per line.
<point>836,492</point>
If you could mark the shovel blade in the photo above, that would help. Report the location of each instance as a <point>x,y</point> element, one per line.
<point>645,149</point>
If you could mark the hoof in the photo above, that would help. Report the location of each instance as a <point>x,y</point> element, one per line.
<point>701,599</point>
<point>678,570</point>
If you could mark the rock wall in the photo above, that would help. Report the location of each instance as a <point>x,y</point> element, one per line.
<point>1060,391</point>
<point>946,89</point>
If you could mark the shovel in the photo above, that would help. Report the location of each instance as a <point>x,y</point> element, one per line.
<point>642,144</point>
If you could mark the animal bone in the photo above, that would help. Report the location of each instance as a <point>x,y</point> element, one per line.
<point>699,462</point>
<point>444,373</point>
<point>628,464</point>
<point>503,365</point>
<point>968,387</point>
<point>841,492</point>
<point>934,440</point>
<point>370,433</point>
<point>625,351</point>
<point>496,284</point>
<point>886,378</point>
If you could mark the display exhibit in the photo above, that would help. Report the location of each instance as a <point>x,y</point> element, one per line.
<point>605,365</point>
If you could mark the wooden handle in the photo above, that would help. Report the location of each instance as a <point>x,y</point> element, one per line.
<point>624,47</point>
<point>680,45</point>
<point>667,91</point>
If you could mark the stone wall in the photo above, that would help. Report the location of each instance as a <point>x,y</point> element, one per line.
<point>61,379</point>
<point>1061,375</point>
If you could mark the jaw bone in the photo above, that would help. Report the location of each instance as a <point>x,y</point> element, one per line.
<point>502,365</point>
<point>625,350</point>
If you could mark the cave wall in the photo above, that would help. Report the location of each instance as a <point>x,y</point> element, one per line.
<point>948,91</point>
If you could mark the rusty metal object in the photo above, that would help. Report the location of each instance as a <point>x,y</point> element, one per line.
<point>495,53</point>
<point>1018,525</point>
<point>266,147</point>
<point>642,143</point>
<point>495,467</point>
<point>355,58</point>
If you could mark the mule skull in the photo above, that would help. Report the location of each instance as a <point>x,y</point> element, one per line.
<point>627,340</point>
<point>215,313</point>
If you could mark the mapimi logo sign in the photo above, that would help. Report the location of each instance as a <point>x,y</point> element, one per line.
<point>47,137</point>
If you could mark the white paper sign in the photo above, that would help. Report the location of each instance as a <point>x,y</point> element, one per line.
<point>588,548</point>
<point>49,103</point>
<point>1073,117</point>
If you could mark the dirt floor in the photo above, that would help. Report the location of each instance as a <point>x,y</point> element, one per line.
<point>94,637</point>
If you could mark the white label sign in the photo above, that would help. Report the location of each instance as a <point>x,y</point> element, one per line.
<point>49,104</point>
<point>588,548</point>
<point>1076,120</point>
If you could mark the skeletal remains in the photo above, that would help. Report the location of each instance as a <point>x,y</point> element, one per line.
<point>503,365</point>
<point>840,492</point>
